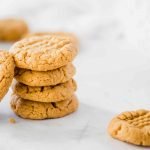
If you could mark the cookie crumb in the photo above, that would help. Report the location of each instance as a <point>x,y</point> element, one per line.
<point>12,120</point>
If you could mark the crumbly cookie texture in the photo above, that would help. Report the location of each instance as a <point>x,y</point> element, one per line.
<point>46,93</point>
<point>38,110</point>
<point>132,127</point>
<point>12,29</point>
<point>45,78</point>
<point>6,72</point>
<point>72,37</point>
<point>43,53</point>
<point>12,120</point>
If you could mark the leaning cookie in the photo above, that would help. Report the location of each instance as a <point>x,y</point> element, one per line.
<point>6,72</point>
<point>132,127</point>
<point>12,29</point>
<point>43,53</point>
<point>45,78</point>
<point>38,110</point>
<point>46,93</point>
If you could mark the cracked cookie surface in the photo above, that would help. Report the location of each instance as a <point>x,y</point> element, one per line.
<point>132,127</point>
<point>43,53</point>
<point>6,72</point>
<point>69,35</point>
<point>45,78</point>
<point>45,93</point>
<point>12,29</point>
<point>39,110</point>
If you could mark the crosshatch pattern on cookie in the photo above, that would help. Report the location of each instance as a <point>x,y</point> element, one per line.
<point>55,43</point>
<point>138,119</point>
<point>132,127</point>
<point>44,53</point>
<point>71,36</point>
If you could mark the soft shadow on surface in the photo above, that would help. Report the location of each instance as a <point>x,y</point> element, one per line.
<point>72,125</point>
<point>88,124</point>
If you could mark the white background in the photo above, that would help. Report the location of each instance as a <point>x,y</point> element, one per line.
<point>113,71</point>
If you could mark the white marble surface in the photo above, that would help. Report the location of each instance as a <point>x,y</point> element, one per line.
<point>113,71</point>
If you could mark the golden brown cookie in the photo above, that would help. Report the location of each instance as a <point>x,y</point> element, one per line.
<point>45,78</point>
<point>12,29</point>
<point>38,110</point>
<point>70,35</point>
<point>42,53</point>
<point>132,127</point>
<point>6,72</point>
<point>45,93</point>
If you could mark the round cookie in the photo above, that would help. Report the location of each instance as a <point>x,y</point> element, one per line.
<point>12,29</point>
<point>132,127</point>
<point>45,93</point>
<point>43,53</point>
<point>70,35</point>
<point>6,72</point>
<point>45,78</point>
<point>38,110</point>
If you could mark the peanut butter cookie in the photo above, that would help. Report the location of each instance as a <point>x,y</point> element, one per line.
<point>45,93</point>
<point>6,72</point>
<point>69,35</point>
<point>12,29</point>
<point>38,110</point>
<point>45,78</point>
<point>132,127</point>
<point>43,53</point>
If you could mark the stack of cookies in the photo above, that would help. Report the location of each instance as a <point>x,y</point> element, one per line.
<point>44,87</point>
